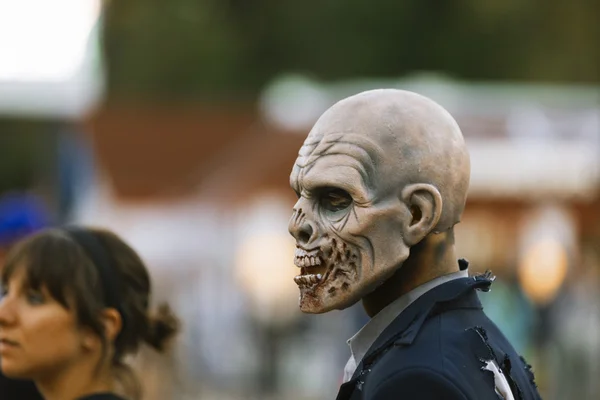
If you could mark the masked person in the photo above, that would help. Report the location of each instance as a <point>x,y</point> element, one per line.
<point>75,303</point>
<point>381,181</point>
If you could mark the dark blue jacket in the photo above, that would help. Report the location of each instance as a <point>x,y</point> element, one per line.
<point>438,349</point>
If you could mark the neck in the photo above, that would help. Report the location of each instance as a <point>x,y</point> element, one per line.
<point>433,257</point>
<point>75,382</point>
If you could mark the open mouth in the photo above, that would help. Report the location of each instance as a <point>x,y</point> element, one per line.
<point>313,269</point>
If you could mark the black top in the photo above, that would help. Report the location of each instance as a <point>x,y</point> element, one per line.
<point>438,348</point>
<point>102,396</point>
<point>11,389</point>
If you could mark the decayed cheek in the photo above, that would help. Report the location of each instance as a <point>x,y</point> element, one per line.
<point>329,283</point>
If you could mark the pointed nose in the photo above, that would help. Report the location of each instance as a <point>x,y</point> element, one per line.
<point>301,228</point>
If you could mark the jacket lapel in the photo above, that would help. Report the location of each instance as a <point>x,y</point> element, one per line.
<point>406,326</point>
<point>347,390</point>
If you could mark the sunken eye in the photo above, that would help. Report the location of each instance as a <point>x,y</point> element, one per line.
<point>335,199</point>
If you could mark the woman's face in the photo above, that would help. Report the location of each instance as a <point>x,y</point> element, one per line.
<point>38,336</point>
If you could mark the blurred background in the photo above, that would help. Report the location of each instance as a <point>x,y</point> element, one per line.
<point>176,123</point>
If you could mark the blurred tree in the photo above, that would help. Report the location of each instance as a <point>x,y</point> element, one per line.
<point>22,143</point>
<point>176,47</point>
<point>198,48</point>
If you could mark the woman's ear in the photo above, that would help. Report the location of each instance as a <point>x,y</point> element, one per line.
<point>425,204</point>
<point>113,323</point>
<point>111,319</point>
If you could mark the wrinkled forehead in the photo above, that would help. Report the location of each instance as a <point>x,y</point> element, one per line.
<point>346,157</point>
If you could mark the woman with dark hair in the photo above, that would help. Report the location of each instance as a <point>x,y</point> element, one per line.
<point>20,215</point>
<point>75,302</point>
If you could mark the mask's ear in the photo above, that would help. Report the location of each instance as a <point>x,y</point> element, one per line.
<point>425,204</point>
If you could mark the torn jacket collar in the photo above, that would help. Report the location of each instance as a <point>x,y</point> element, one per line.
<point>456,294</point>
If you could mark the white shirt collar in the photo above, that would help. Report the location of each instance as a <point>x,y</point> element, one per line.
<point>366,336</point>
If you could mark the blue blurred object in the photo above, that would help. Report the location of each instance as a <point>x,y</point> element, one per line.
<point>20,215</point>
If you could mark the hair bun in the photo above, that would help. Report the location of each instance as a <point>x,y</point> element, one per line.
<point>161,327</point>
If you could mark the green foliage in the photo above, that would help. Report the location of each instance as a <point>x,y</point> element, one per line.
<point>202,48</point>
<point>22,145</point>
<point>176,47</point>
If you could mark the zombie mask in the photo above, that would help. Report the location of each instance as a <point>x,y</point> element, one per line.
<point>367,191</point>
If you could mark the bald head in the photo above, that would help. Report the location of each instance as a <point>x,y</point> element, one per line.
<point>378,172</point>
<point>417,141</point>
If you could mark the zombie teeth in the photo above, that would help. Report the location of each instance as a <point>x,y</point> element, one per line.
<point>307,280</point>
<point>307,261</point>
